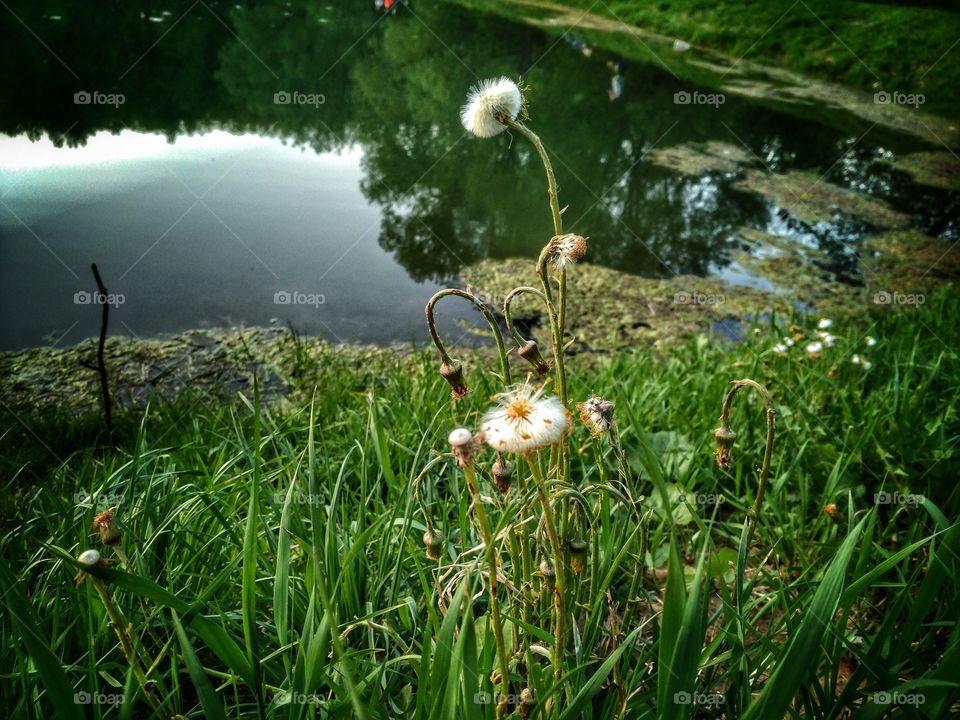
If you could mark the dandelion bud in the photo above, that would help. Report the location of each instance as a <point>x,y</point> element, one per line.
<point>105,524</point>
<point>530,352</point>
<point>89,558</point>
<point>578,555</point>
<point>502,474</point>
<point>597,414</point>
<point>464,445</point>
<point>433,540</point>
<point>527,702</point>
<point>724,437</point>
<point>453,374</point>
<point>549,574</point>
<point>832,512</point>
<point>567,249</point>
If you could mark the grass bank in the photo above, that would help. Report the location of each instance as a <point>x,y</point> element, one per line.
<point>274,564</point>
<point>908,48</point>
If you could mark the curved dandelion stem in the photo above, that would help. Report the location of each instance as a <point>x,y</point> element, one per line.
<point>491,320</point>
<point>754,512</point>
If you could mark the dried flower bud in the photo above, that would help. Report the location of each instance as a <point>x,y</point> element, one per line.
<point>567,249</point>
<point>724,437</point>
<point>578,555</point>
<point>832,512</point>
<point>464,445</point>
<point>105,523</point>
<point>527,703</point>
<point>433,540</point>
<point>597,414</point>
<point>549,574</point>
<point>530,352</point>
<point>502,473</point>
<point>453,374</point>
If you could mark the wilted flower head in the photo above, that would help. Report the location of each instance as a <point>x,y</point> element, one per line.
<point>724,437</point>
<point>530,352</point>
<point>502,473</point>
<point>597,414</point>
<point>433,541</point>
<point>453,374</point>
<point>567,249</point>
<point>489,102</point>
<point>524,420</point>
<point>105,524</point>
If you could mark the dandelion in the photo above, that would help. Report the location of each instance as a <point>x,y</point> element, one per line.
<point>814,348</point>
<point>105,524</point>
<point>524,420</point>
<point>502,473</point>
<point>861,361</point>
<point>453,374</point>
<point>530,352</point>
<point>89,558</point>
<point>788,341</point>
<point>781,348</point>
<point>489,103</point>
<point>567,249</point>
<point>433,541</point>
<point>824,323</point>
<point>871,341</point>
<point>597,414</point>
<point>828,339</point>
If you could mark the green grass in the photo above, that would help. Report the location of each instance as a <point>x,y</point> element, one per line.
<point>279,553</point>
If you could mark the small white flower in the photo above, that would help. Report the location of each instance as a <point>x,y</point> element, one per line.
<point>89,558</point>
<point>866,364</point>
<point>828,339</point>
<point>780,348</point>
<point>871,341</point>
<point>824,323</point>
<point>814,348</point>
<point>788,341</point>
<point>486,101</point>
<point>459,437</point>
<point>855,359</point>
<point>524,420</point>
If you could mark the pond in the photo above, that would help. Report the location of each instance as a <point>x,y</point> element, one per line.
<point>300,163</point>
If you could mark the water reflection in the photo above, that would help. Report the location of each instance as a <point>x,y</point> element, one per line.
<point>390,82</point>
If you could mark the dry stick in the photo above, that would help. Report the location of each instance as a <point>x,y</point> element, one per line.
<point>101,365</point>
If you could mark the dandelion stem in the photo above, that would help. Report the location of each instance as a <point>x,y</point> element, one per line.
<point>491,321</point>
<point>754,512</point>
<point>508,312</point>
<point>559,566</point>
<point>492,565</point>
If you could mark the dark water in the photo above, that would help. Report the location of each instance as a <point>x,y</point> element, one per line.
<point>363,195</point>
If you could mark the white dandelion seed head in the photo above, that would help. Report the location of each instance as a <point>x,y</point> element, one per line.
<point>459,437</point>
<point>824,323</point>
<point>788,341</point>
<point>866,364</point>
<point>871,341</point>
<point>487,100</point>
<point>89,558</point>
<point>855,359</point>
<point>524,420</point>
<point>814,348</point>
<point>780,348</point>
<point>828,339</point>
